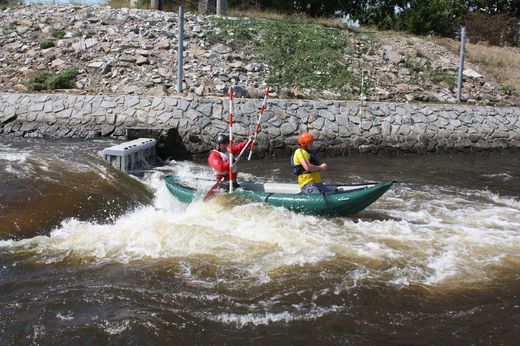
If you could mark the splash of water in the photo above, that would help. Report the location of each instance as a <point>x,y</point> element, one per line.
<point>426,235</point>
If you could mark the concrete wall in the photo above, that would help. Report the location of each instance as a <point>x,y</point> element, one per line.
<point>340,127</point>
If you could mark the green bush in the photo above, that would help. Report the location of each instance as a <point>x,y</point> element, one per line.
<point>46,44</point>
<point>47,81</point>
<point>506,90</point>
<point>58,33</point>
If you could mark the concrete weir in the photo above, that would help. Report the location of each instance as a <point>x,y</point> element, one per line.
<point>187,126</point>
<point>133,155</point>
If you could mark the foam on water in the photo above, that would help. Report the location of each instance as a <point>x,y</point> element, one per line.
<point>302,314</point>
<point>498,176</point>
<point>428,235</point>
<point>38,163</point>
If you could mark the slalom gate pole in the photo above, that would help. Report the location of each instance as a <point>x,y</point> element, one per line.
<point>230,139</point>
<point>257,129</point>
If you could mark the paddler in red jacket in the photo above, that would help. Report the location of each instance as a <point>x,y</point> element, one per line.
<point>219,160</point>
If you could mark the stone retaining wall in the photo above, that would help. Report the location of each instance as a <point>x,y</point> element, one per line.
<point>340,127</point>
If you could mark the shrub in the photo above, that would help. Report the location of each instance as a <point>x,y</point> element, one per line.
<point>46,44</point>
<point>47,81</point>
<point>58,33</point>
<point>439,76</point>
<point>506,90</point>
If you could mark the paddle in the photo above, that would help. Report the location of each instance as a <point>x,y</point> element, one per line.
<point>213,190</point>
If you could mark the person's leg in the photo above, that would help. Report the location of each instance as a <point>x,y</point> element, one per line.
<point>224,187</point>
<point>315,189</point>
<point>322,188</point>
<point>310,189</point>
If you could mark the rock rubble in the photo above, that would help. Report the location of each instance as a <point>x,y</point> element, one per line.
<point>134,52</point>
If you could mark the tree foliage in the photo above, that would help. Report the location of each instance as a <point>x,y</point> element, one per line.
<point>433,17</point>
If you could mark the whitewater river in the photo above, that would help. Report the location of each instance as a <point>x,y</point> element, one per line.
<point>89,255</point>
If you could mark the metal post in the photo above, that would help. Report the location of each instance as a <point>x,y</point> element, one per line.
<point>362,97</point>
<point>219,7</point>
<point>180,48</point>
<point>222,8</point>
<point>461,63</point>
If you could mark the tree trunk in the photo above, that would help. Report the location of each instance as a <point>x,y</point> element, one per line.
<point>156,4</point>
<point>203,7</point>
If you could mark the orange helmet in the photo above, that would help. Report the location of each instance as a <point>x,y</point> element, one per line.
<point>305,138</point>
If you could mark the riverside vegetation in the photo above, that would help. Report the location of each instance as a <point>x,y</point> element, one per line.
<point>133,51</point>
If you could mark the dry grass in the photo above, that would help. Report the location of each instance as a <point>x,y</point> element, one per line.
<point>501,62</point>
<point>290,18</point>
<point>144,5</point>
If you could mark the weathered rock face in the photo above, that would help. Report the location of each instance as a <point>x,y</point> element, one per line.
<point>134,52</point>
<point>339,126</point>
<point>117,51</point>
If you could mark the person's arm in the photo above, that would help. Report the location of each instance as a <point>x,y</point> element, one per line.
<point>238,148</point>
<point>215,161</point>
<point>307,165</point>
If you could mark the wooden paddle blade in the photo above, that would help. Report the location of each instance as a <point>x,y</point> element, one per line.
<point>212,191</point>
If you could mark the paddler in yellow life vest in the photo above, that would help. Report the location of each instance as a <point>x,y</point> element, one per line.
<point>307,167</point>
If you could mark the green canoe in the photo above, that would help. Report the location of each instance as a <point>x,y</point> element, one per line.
<point>346,199</point>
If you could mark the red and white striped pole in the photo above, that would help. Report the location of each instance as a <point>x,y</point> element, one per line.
<point>230,139</point>
<point>257,128</point>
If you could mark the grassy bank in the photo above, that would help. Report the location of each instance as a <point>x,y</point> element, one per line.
<point>299,54</point>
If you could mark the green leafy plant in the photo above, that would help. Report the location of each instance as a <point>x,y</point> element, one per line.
<point>416,94</point>
<point>58,33</point>
<point>439,76</point>
<point>410,64</point>
<point>47,81</point>
<point>46,44</point>
<point>506,90</point>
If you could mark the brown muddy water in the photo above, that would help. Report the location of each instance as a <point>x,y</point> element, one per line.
<point>89,255</point>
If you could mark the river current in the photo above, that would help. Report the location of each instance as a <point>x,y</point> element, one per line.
<point>91,255</point>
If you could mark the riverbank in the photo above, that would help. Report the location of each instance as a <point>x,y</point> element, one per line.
<point>135,52</point>
<point>190,124</point>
